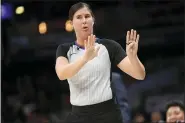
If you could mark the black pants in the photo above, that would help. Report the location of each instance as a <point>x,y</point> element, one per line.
<point>106,112</point>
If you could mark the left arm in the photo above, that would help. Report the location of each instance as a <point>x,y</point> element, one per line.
<point>133,67</point>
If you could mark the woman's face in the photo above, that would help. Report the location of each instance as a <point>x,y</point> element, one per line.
<point>83,22</point>
<point>175,114</point>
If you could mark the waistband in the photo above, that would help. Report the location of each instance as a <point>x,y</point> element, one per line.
<point>100,107</point>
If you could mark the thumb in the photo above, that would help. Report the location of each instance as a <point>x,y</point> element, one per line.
<point>85,44</point>
<point>130,45</point>
<point>97,49</point>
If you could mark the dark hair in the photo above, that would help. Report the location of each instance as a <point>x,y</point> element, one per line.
<point>78,6</point>
<point>175,103</point>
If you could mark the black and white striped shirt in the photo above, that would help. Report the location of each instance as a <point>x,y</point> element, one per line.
<point>92,84</point>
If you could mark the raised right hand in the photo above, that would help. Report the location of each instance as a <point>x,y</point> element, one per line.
<point>90,50</point>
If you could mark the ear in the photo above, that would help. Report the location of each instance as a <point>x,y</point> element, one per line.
<point>71,22</point>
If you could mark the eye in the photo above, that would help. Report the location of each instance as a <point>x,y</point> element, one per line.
<point>78,17</point>
<point>176,112</point>
<point>87,16</point>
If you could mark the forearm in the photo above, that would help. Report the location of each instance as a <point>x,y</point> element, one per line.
<point>138,67</point>
<point>71,69</point>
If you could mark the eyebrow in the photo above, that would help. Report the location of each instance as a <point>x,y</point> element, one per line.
<point>81,14</point>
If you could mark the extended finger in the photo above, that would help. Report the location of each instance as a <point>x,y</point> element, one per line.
<point>127,37</point>
<point>137,39</point>
<point>134,36</point>
<point>94,39</point>
<point>89,41</point>
<point>85,44</point>
<point>131,34</point>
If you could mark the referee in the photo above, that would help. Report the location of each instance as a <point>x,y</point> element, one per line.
<point>86,64</point>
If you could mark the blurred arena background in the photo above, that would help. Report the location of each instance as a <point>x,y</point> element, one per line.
<point>31,32</point>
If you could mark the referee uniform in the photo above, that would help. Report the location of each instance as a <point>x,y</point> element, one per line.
<point>91,92</point>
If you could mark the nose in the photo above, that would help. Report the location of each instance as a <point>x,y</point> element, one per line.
<point>84,20</point>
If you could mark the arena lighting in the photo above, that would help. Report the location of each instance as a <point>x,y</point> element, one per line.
<point>68,26</point>
<point>42,28</point>
<point>19,10</point>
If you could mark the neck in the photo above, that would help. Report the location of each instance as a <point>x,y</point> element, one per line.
<point>80,40</point>
<point>81,37</point>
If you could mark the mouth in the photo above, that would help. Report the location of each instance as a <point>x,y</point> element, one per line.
<point>85,28</point>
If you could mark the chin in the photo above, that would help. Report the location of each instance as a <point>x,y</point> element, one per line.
<point>86,33</point>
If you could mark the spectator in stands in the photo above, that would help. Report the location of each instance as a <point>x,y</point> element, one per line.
<point>175,112</point>
<point>156,117</point>
<point>139,118</point>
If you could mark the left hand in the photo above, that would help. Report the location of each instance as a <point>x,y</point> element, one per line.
<point>132,40</point>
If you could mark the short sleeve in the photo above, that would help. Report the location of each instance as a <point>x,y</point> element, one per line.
<point>62,50</point>
<point>116,52</point>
